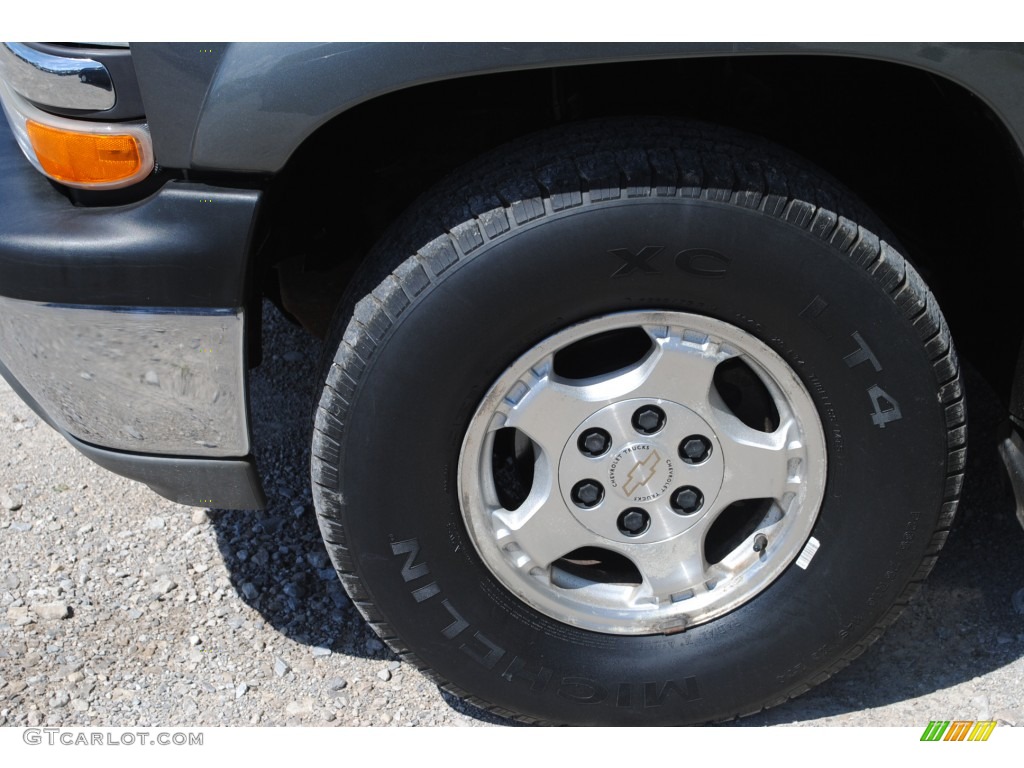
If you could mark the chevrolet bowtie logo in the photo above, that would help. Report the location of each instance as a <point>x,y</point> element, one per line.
<point>642,473</point>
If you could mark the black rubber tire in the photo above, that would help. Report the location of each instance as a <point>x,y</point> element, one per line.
<point>515,248</point>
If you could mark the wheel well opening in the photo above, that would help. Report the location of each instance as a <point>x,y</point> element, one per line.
<point>925,154</point>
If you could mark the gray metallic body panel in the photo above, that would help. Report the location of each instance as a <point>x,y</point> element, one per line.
<point>247,106</point>
<point>173,79</point>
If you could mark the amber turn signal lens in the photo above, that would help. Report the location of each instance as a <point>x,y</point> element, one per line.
<point>84,158</point>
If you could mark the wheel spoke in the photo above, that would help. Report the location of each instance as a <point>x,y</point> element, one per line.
<point>547,408</point>
<point>756,463</point>
<point>681,368</point>
<point>542,529</point>
<point>671,568</point>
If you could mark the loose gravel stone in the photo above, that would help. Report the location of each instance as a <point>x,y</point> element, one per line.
<point>300,708</point>
<point>318,559</point>
<point>281,667</point>
<point>319,651</point>
<point>337,684</point>
<point>10,503</point>
<point>981,708</point>
<point>164,585</point>
<point>384,674</point>
<point>241,690</point>
<point>1018,601</point>
<point>51,611</point>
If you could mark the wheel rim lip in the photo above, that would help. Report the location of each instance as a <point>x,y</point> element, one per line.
<point>597,609</point>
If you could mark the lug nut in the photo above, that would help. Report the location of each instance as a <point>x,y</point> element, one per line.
<point>587,493</point>
<point>648,419</point>
<point>687,500</point>
<point>634,521</point>
<point>695,449</point>
<point>594,442</point>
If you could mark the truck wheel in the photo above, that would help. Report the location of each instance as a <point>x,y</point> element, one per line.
<point>636,422</point>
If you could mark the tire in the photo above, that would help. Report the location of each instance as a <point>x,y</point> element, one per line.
<point>721,341</point>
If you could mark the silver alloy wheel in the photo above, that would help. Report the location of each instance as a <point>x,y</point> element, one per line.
<point>630,473</point>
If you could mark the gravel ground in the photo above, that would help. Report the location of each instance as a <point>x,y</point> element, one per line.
<point>119,608</point>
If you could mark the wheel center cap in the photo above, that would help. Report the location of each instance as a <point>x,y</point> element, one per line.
<point>638,471</point>
<point>641,472</point>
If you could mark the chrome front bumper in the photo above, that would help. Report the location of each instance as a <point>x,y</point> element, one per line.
<point>142,379</point>
<point>57,81</point>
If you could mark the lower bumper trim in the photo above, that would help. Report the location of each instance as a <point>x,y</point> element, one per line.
<point>223,483</point>
<point>215,483</point>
